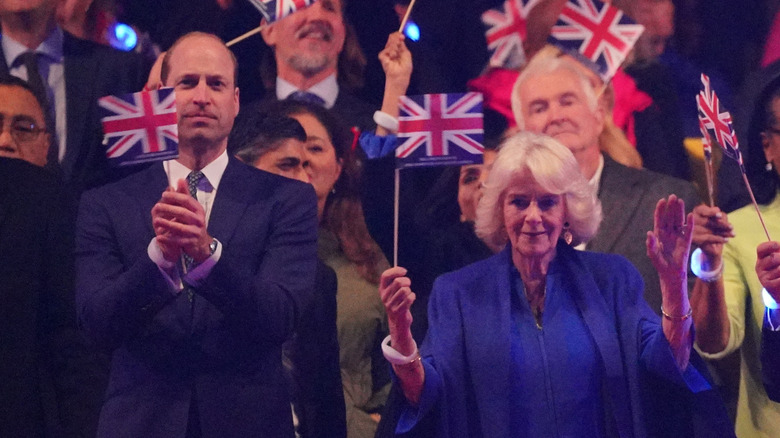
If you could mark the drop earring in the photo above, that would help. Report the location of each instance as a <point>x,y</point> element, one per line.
<point>769,167</point>
<point>567,236</point>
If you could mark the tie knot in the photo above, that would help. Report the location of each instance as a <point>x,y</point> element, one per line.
<point>305,96</point>
<point>193,179</point>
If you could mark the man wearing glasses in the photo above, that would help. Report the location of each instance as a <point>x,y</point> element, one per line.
<point>24,134</point>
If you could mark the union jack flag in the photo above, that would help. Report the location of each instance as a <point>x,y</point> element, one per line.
<point>274,10</point>
<point>439,129</point>
<point>596,32</point>
<point>717,120</point>
<point>506,31</point>
<point>706,140</point>
<point>140,127</point>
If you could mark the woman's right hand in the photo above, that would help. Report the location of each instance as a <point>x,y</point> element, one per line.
<point>397,63</point>
<point>710,231</point>
<point>397,297</point>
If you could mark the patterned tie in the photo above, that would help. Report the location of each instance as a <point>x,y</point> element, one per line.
<point>34,78</point>
<point>193,179</point>
<point>305,96</point>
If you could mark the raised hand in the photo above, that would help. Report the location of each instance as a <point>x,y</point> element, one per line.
<point>397,297</point>
<point>669,243</point>
<point>397,63</point>
<point>711,230</point>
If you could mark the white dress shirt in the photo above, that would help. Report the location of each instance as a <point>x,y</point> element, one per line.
<point>174,273</point>
<point>327,89</point>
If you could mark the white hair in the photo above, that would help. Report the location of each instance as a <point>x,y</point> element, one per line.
<point>542,65</point>
<point>555,169</point>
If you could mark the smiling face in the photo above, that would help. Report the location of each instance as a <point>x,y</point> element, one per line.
<point>533,219</point>
<point>556,105</point>
<point>201,72</point>
<point>309,41</point>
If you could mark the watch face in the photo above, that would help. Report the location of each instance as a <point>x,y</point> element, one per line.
<point>213,246</point>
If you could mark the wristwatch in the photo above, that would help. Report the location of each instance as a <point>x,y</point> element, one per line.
<point>213,247</point>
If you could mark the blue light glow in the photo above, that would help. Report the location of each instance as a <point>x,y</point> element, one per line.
<point>126,38</point>
<point>412,31</point>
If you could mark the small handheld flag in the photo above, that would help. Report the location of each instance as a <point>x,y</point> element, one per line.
<point>597,33</point>
<point>717,120</point>
<point>440,129</point>
<point>274,10</point>
<point>506,31</point>
<point>140,127</point>
<point>706,143</point>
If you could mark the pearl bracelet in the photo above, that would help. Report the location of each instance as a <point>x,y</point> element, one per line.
<point>697,258</point>
<point>394,357</point>
<point>386,121</point>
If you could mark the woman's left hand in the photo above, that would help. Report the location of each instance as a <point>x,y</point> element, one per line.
<point>396,61</point>
<point>669,243</point>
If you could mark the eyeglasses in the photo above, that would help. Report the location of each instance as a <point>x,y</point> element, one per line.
<point>23,129</point>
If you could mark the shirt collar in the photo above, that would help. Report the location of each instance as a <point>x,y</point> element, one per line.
<point>327,89</point>
<point>595,180</point>
<point>51,47</point>
<point>213,171</point>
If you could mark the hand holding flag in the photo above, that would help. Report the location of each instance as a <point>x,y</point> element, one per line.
<point>717,120</point>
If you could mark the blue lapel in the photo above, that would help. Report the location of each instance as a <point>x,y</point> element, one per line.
<point>602,324</point>
<point>233,197</point>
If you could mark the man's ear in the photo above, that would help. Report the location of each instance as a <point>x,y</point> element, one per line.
<point>268,33</point>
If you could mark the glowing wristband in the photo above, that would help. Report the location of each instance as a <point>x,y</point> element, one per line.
<point>386,121</point>
<point>769,302</point>
<point>394,357</point>
<point>697,258</point>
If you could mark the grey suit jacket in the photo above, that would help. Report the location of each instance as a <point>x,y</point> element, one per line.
<point>628,197</point>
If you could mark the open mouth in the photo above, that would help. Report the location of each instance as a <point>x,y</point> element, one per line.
<point>318,31</point>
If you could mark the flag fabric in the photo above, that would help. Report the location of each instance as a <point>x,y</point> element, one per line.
<point>505,32</point>
<point>597,33</point>
<point>717,121</point>
<point>439,129</point>
<point>706,141</point>
<point>140,127</point>
<point>274,10</point>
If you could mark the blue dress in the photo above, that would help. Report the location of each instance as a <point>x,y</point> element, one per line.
<point>556,377</point>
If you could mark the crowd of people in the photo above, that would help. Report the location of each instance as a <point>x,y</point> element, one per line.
<point>574,283</point>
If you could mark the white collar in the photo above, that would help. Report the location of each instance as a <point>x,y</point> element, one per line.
<point>595,180</point>
<point>52,47</point>
<point>327,89</point>
<point>213,171</point>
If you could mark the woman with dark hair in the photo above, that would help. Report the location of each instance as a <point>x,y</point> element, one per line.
<point>346,246</point>
<point>728,303</point>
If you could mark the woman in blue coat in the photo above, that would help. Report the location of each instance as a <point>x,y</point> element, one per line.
<point>542,340</point>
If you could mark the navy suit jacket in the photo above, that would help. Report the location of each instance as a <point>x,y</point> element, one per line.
<point>467,357</point>
<point>770,363</point>
<point>217,344</point>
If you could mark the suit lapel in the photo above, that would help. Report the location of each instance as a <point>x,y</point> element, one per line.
<point>490,328</point>
<point>615,189</point>
<point>230,202</point>
<point>601,324</point>
<point>80,74</point>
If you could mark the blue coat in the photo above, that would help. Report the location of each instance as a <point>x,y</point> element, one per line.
<point>467,354</point>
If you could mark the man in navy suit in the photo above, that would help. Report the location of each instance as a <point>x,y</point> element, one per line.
<point>194,272</point>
